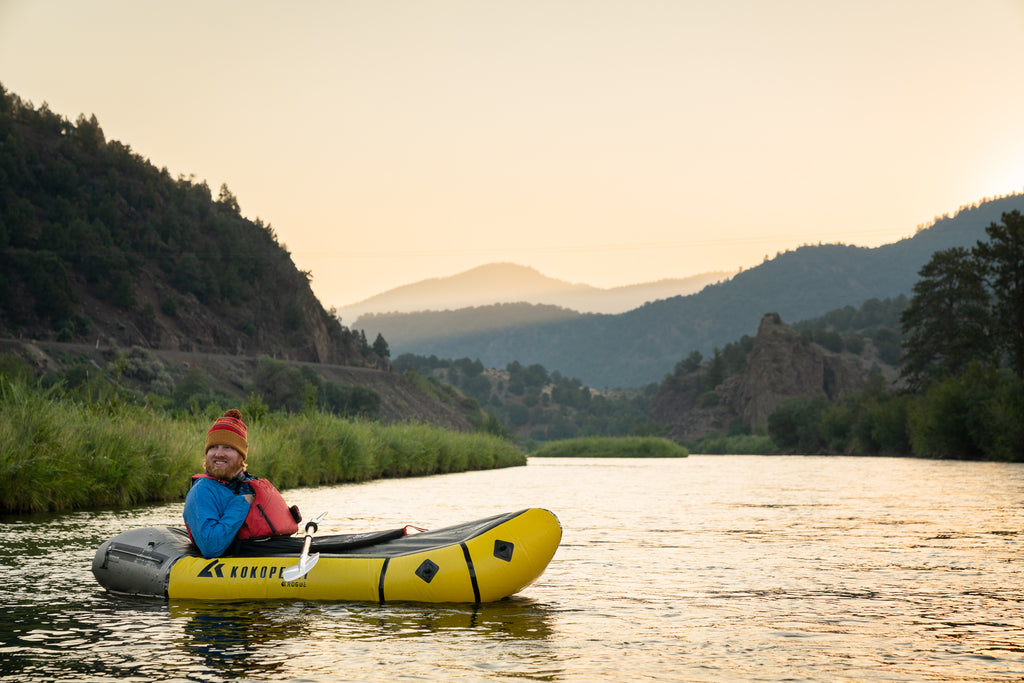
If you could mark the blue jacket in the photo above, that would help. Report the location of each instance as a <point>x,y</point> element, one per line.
<point>214,513</point>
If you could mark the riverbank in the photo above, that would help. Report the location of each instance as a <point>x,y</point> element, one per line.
<point>60,455</point>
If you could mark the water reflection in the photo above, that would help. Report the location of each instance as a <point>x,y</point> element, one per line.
<point>265,641</point>
<point>234,640</point>
<point>518,618</point>
<point>269,621</point>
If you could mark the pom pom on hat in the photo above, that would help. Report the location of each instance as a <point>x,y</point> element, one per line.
<point>228,430</point>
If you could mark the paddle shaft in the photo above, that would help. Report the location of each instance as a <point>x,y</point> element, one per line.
<point>305,545</point>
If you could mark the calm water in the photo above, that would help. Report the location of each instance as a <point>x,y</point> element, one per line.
<point>701,569</point>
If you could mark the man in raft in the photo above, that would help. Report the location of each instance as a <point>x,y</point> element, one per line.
<point>226,503</point>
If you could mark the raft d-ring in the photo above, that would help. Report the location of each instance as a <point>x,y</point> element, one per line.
<point>503,550</point>
<point>427,571</point>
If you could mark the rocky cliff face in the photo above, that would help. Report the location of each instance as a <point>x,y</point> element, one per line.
<point>781,365</point>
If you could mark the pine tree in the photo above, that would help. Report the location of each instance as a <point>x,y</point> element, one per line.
<point>1002,259</point>
<point>947,324</point>
<point>380,346</point>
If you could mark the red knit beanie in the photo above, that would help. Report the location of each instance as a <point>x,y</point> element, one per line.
<point>228,431</point>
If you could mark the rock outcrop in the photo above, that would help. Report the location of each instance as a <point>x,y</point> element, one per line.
<point>782,364</point>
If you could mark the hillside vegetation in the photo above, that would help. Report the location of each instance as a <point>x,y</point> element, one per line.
<point>117,279</point>
<point>97,245</point>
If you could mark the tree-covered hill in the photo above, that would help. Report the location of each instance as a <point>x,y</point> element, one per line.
<point>641,346</point>
<point>691,403</point>
<point>98,245</point>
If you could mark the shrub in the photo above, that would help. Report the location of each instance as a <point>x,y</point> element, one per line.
<point>611,447</point>
<point>744,444</point>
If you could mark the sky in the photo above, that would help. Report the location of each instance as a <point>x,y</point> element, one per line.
<point>606,142</point>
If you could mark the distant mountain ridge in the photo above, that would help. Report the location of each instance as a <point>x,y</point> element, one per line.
<point>498,283</point>
<point>642,345</point>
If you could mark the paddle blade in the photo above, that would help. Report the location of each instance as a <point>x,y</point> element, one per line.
<point>301,569</point>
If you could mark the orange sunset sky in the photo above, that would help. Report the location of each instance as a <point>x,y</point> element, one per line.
<point>607,142</point>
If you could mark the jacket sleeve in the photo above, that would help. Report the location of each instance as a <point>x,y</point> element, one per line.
<point>213,514</point>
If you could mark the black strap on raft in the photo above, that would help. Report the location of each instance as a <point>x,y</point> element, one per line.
<point>472,572</point>
<point>380,584</point>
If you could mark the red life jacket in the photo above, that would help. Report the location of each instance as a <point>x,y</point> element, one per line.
<point>269,514</point>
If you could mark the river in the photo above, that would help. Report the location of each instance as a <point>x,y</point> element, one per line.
<point>708,568</point>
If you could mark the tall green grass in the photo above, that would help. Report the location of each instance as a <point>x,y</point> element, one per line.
<point>58,455</point>
<point>611,447</point>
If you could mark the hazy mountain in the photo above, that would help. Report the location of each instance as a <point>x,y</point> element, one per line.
<point>642,345</point>
<point>498,283</point>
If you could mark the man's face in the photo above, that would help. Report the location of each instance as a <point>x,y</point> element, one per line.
<point>223,462</point>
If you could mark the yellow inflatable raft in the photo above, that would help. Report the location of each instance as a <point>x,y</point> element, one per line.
<point>479,561</point>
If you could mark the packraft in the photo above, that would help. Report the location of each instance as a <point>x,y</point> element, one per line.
<point>479,561</point>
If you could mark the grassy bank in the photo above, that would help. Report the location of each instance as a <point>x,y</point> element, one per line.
<point>611,447</point>
<point>58,455</point>
<point>743,444</point>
